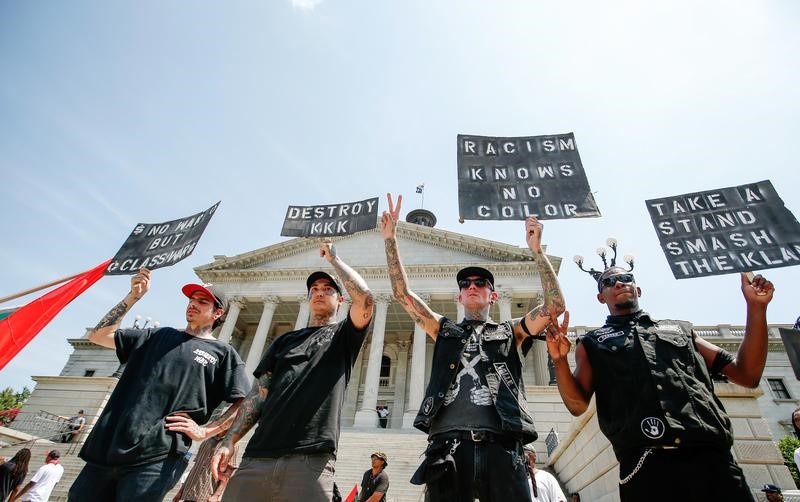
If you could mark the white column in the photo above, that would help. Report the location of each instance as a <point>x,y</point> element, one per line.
<point>367,416</point>
<point>344,309</point>
<point>302,316</point>
<point>416,384</point>
<point>504,302</point>
<point>234,307</point>
<point>260,337</point>
<point>400,377</point>
<point>459,311</point>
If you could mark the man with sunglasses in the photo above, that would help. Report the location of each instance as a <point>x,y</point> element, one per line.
<point>655,397</point>
<point>173,381</point>
<point>298,395</point>
<point>474,409</point>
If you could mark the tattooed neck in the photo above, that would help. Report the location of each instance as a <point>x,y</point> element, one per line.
<point>476,315</point>
<point>202,332</point>
<point>321,320</point>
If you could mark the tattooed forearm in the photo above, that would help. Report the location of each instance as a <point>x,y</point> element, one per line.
<point>250,410</point>
<point>553,298</point>
<point>397,274</point>
<point>114,316</point>
<point>353,282</point>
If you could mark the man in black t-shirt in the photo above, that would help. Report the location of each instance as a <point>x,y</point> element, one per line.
<point>298,396</point>
<point>375,482</point>
<point>173,381</point>
<point>474,408</point>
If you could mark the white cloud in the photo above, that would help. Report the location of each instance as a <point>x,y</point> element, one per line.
<point>306,4</point>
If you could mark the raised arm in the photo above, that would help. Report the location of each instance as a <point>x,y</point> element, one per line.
<point>535,321</point>
<point>746,369</point>
<point>103,333</point>
<point>247,415</point>
<point>363,304</point>
<point>182,423</point>
<point>416,308</point>
<point>576,388</point>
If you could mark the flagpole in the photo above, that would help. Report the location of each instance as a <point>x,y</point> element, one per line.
<point>39,288</point>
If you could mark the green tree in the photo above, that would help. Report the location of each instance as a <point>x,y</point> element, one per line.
<point>787,446</point>
<point>11,402</point>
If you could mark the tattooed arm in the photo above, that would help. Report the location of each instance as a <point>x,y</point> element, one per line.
<point>103,333</point>
<point>363,303</point>
<point>535,321</point>
<point>246,417</point>
<point>183,423</point>
<point>416,308</point>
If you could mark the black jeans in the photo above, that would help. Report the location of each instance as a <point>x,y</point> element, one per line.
<point>694,474</point>
<point>491,471</point>
<point>121,484</point>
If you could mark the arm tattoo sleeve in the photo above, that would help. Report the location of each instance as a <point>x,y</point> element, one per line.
<point>250,410</point>
<point>553,298</point>
<point>114,316</point>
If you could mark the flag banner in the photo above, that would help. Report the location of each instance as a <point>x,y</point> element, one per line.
<point>330,220</point>
<point>27,321</point>
<point>157,245</point>
<point>733,229</point>
<point>351,497</point>
<point>791,342</point>
<point>513,178</point>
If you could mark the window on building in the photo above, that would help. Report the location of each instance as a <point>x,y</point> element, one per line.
<point>88,373</point>
<point>778,388</point>
<point>386,370</point>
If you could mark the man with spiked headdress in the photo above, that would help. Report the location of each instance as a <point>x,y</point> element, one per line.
<point>474,409</point>
<point>655,398</point>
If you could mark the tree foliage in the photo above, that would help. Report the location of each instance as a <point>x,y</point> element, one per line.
<point>11,402</point>
<point>787,446</point>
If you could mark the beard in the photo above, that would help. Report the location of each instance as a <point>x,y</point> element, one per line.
<point>628,304</point>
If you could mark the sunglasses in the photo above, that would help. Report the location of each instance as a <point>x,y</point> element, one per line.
<point>607,282</point>
<point>479,283</point>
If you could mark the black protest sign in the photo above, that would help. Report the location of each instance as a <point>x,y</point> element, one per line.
<point>156,245</point>
<point>791,342</point>
<point>513,178</point>
<point>330,220</point>
<point>734,229</point>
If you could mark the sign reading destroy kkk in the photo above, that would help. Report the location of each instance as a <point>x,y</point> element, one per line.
<point>330,220</point>
<point>513,178</point>
<point>156,245</point>
<point>734,229</point>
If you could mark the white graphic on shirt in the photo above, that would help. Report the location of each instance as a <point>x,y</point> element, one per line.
<point>203,357</point>
<point>653,427</point>
<point>479,394</point>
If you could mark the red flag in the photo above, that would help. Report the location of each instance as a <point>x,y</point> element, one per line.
<point>26,322</point>
<point>353,494</point>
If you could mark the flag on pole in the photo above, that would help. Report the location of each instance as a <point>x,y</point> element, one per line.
<point>26,322</point>
<point>420,188</point>
<point>353,494</point>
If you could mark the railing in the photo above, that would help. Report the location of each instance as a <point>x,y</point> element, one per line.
<point>384,382</point>
<point>49,426</point>
<point>551,442</point>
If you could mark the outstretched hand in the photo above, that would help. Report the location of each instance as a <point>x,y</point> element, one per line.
<point>533,234</point>
<point>558,344</point>
<point>182,423</point>
<point>389,218</point>
<point>759,291</point>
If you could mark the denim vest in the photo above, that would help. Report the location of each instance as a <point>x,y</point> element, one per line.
<point>652,386</point>
<point>503,375</point>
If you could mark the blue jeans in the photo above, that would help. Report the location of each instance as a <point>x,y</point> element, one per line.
<point>491,471</point>
<point>122,484</point>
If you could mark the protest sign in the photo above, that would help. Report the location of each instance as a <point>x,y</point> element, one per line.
<point>331,219</point>
<point>513,178</point>
<point>156,245</point>
<point>791,342</point>
<point>733,229</point>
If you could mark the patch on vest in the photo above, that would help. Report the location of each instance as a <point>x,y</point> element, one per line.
<point>505,376</point>
<point>427,406</point>
<point>653,428</point>
<point>602,338</point>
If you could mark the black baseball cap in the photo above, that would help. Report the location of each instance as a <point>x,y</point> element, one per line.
<point>475,271</point>
<point>771,489</point>
<point>319,274</point>
<point>209,289</point>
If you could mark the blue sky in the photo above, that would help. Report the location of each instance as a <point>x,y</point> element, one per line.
<point>115,113</point>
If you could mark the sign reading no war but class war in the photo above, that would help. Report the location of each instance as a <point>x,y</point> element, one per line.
<point>156,245</point>
<point>331,219</point>
<point>734,229</point>
<point>513,178</point>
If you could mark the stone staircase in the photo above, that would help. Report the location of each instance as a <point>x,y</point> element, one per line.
<point>39,449</point>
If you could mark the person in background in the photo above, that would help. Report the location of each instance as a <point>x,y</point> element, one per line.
<point>375,482</point>
<point>200,485</point>
<point>773,493</point>
<point>42,483</point>
<point>13,472</point>
<point>576,497</point>
<point>544,486</point>
<point>73,427</point>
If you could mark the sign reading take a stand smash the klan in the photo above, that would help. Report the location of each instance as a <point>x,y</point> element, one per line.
<point>513,178</point>
<point>734,229</point>
<point>331,219</point>
<point>156,245</point>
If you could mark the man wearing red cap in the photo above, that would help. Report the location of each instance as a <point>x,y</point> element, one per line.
<point>173,381</point>
<point>474,409</point>
<point>298,396</point>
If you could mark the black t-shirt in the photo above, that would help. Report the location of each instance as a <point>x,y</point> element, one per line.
<point>370,485</point>
<point>7,481</point>
<point>168,371</point>
<point>310,369</point>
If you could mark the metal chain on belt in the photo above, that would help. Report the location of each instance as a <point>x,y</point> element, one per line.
<point>638,466</point>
